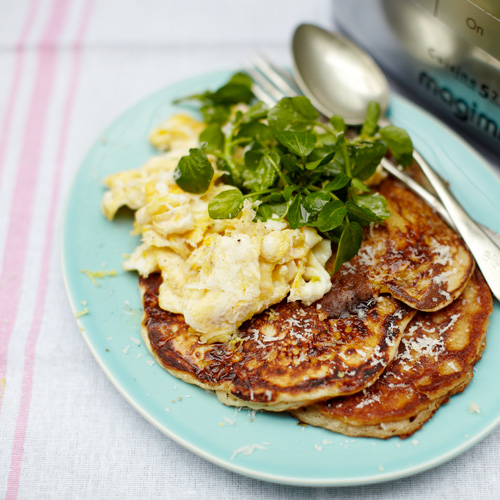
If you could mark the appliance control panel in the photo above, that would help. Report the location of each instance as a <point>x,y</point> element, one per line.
<point>446,52</point>
<point>471,21</point>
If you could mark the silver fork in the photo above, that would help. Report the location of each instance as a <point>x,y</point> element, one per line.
<point>271,83</point>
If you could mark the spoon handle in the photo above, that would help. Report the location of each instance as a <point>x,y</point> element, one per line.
<point>484,250</point>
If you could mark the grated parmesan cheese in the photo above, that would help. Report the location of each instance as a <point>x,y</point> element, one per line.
<point>422,346</point>
<point>474,407</point>
<point>444,277</point>
<point>443,253</point>
<point>93,275</point>
<point>365,402</point>
<point>248,449</point>
<point>367,256</point>
<point>453,320</point>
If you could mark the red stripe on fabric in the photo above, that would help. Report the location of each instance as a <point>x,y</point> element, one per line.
<point>30,349</point>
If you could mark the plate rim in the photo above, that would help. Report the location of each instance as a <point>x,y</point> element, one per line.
<point>374,478</point>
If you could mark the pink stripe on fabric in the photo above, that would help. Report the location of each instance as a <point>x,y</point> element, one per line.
<point>30,349</point>
<point>16,81</point>
<point>25,187</point>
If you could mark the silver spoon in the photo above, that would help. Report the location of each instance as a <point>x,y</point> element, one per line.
<point>340,78</point>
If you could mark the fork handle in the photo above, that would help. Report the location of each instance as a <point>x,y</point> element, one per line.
<point>486,253</point>
<point>430,199</point>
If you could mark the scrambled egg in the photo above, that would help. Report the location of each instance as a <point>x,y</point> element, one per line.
<point>217,273</point>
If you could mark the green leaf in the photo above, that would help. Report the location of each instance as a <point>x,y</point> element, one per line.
<point>313,165</point>
<point>367,157</point>
<point>217,114</point>
<point>252,158</point>
<point>330,170</point>
<point>288,191</point>
<point>257,131</point>
<point>260,173</point>
<point>241,78</point>
<point>368,208</point>
<point>315,201</point>
<point>344,154</point>
<point>237,89</point>
<point>291,163</point>
<point>327,158</point>
<point>272,210</point>
<point>360,185</point>
<point>224,167</point>
<point>399,143</point>
<point>338,123</point>
<point>264,212</point>
<point>349,244</point>
<point>321,159</point>
<point>226,205</point>
<point>299,143</point>
<point>341,180</point>
<point>232,94</point>
<point>326,142</point>
<point>194,173</point>
<point>256,112</point>
<point>374,202</point>
<point>292,113</point>
<point>212,138</point>
<point>276,197</point>
<point>298,214</point>
<point>371,119</point>
<point>331,216</point>
<point>266,170</point>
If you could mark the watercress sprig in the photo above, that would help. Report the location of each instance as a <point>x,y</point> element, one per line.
<point>296,165</point>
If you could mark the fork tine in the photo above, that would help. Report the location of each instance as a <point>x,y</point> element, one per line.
<point>258,91</point>
<point>264,89</point>
<point>262,96</point>
<point>280,79</point>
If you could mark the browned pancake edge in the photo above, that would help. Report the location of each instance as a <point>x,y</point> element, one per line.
<point>286,357</point>
<point>435,360</point>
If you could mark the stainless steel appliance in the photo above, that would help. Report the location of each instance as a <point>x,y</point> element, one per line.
<point>446,52</point>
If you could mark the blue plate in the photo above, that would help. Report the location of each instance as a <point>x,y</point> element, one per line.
<point>272,447</point>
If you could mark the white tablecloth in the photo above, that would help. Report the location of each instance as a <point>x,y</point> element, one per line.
<point>67,69</point>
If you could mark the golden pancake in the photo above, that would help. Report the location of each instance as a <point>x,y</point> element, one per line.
<point>289,356</point>
<point>414,255</point>
<point>292,355</point>
<point>434,361</point>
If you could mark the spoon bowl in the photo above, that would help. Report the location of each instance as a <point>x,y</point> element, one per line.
<point>336,75</point>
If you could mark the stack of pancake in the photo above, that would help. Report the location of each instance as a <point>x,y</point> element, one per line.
<point>397,335</point>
